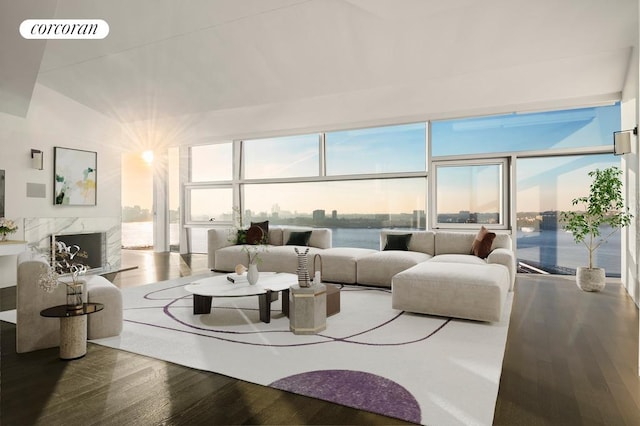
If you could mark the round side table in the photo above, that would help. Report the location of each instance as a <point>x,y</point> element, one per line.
<point>73,328</point>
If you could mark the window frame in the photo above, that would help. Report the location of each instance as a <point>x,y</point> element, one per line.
<point>505,205</point>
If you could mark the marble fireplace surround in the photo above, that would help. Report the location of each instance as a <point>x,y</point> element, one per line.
<point>38,230</point>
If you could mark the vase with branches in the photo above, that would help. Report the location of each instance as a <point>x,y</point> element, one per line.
<point>65,268</point>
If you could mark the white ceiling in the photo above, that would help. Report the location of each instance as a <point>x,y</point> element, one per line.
<point>177,57</point>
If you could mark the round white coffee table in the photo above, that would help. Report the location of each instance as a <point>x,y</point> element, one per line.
<point>206,289</point>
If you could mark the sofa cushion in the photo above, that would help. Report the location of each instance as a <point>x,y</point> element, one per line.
<point>276,236</point>
<point>285,259</point>
<point>378,268</point>
<point>458,258</point>
<point>478,239</point>
<point>482,247</point>
<point>255,235</point>
<point>421,241</point>
<point>320,237</point>
<point>398,242</point>
<point>299,238</point>
<point>453,242</point>
<point>338,264</point>
<point>265,229</point>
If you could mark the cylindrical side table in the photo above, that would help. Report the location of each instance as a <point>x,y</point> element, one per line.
<point>73,328</point>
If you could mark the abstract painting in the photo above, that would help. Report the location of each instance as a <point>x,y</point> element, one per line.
<point>75,177</point>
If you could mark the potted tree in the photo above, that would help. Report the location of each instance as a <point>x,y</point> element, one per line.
<point>603,206</point>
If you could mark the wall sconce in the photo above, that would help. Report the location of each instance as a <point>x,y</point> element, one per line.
<point>36,159</point>
<point>622,141</point>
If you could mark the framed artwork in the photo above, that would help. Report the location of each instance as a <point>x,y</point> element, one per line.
<point>75,177</point>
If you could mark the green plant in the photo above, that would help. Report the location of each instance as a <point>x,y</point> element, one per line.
<point>603,206</point>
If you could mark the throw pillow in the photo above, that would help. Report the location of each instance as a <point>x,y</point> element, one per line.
<point>398,242</point>
<point>299,238</point>
<point>255,235</point>
<point>265,228</point>
<point>483,249</point>
<point>478,239</point>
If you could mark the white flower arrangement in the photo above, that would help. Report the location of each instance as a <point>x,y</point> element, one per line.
<point>7,226</point>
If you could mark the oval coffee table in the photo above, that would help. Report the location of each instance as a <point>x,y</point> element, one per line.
<point>206,289</point>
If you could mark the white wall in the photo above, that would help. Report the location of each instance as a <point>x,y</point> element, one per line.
<point>54,120</point>
<point>630,242</point>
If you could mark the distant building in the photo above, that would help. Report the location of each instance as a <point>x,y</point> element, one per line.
<point>334,214</point>
<point>318,215</point>
<point>549,221</point>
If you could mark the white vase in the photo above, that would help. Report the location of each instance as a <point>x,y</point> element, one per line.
<point>253,274</point>
<point>590,279</point>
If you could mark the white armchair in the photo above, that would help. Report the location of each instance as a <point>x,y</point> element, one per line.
<point>35,332</point>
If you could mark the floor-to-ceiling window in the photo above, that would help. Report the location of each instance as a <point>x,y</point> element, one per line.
<point>550,154</point>
<point>512,173</point>
<point>209,193</point>
<point>546,187</point>
<point>137,200</point>
<point>355,182</point>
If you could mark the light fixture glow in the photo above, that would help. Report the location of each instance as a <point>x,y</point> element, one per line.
<point>147,156</point>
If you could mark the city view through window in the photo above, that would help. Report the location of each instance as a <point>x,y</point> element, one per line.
<point>471,194</point>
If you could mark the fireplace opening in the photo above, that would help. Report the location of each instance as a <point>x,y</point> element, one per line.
<point>94,244</point>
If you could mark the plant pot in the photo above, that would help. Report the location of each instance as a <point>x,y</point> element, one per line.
<point>590,279</point>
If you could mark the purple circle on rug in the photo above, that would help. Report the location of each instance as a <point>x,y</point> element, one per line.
<point>356,389</point>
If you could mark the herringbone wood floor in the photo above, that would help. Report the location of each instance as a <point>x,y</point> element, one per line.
<point>571,358</point>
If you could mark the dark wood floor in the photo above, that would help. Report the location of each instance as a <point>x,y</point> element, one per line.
<point>571,358</point>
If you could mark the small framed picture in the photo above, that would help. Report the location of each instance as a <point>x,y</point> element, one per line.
<point>74,177</point>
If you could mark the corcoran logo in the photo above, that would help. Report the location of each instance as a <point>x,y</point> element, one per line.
<point>64,29</point>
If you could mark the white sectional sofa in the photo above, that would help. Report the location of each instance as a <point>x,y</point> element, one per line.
<point>436,274</point>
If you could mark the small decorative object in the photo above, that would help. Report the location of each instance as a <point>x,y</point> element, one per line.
<point>603,206</point>
<point>7,226</point>
<point>63,265</point>
<point>317,277</point>
<point>253,274</point>
<point>240,269</point>
<point>75,178</point>
<point>303,271</point>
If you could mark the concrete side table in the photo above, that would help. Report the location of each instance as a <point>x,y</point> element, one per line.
<point>73,328</point>
<point>308,309</point>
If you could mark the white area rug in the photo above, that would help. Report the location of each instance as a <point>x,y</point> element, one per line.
<point>424,369</point>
